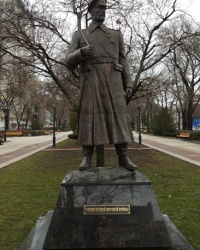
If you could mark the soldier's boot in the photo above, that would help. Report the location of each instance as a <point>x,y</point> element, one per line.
<point>123,159</point>
<point>87,152</point>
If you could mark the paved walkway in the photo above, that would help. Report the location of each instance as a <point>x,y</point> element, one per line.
<point>179,148</point>
<point>17,148</point>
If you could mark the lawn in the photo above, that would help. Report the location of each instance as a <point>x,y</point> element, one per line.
<point>30,187</point>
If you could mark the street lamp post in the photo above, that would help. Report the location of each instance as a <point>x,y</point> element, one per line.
<point>5,109</point>
<point>139,126</point>
<point>54,126</point>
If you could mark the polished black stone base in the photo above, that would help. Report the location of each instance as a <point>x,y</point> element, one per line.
<point>71,228</point>
<point>107,223</point>
<point>36,237</point>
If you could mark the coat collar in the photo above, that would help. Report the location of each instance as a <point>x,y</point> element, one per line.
<point>93,26</point>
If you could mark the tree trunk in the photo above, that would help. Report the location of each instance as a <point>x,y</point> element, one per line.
<point>184,120</point>
<point>190,111</point>
<point>179,120</point>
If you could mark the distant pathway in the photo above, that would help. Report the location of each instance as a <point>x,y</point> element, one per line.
<point>178,148</point>
<point>18,148</point>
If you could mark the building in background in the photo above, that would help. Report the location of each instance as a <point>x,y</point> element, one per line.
<point>196,114</point>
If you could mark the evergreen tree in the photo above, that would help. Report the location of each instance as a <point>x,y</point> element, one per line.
<point>163,123</point>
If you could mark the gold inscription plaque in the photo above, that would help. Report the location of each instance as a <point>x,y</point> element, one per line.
<point>106,209</point>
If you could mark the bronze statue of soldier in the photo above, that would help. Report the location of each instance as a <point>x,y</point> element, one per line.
<point>104,79</point>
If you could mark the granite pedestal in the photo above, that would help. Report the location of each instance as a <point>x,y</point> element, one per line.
<point>107,208</point>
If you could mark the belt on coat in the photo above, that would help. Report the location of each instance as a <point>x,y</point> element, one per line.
<point>95,60</point>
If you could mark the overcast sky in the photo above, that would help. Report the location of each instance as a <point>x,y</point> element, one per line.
<point>194,8</point>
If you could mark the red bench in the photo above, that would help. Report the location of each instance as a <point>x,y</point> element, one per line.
<point>183,135</point>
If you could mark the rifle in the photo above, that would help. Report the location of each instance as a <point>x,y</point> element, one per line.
<point>84,38</point>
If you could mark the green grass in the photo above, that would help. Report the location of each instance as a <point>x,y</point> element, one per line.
<point>30,187</point>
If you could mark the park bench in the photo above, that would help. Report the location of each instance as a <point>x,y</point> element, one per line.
<point>14,133</point>
<point>183,135</point>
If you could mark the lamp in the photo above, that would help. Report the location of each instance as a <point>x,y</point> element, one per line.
<point>5,109</point>
<point>54,126</point>
<point>139,125</point>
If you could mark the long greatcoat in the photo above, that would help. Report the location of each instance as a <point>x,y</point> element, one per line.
<point>103,117</point>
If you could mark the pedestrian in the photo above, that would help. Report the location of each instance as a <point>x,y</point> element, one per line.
<point>104,81</point>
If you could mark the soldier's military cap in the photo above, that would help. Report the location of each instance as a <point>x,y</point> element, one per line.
<point>93,2</point>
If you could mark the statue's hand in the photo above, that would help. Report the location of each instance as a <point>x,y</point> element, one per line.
<point>87,51</point>
<point>128,92</point>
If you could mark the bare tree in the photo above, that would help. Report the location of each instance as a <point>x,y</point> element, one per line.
<point>184,67</point>
<point>38,35</point>
<point>43,30</point>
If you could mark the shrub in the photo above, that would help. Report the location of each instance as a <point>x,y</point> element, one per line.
<point>33,132</point>
<point>37,132</point>
<point>73,136</point>
<point>73,121</point>
<point>26,132</point>
<point>163,123</point>
<point>36,125</point>
<point>195,135</point>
